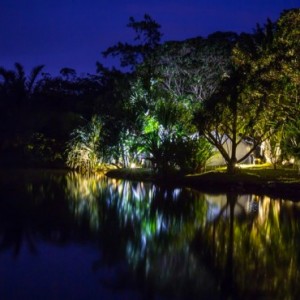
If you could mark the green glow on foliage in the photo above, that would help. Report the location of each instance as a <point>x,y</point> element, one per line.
<point>151,125</point>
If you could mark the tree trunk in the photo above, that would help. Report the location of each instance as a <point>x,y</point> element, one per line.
<point>232,166</point>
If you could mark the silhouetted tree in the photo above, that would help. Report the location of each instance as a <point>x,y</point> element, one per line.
<point>147,38</point>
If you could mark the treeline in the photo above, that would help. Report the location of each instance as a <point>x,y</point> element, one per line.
<point>178,102</point>
<point>38,112</point>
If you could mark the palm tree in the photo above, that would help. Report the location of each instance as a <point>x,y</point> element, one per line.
<point>16,90</point>
<point>15,85</point>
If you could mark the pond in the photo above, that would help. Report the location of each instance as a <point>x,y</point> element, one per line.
<point>67,236</point>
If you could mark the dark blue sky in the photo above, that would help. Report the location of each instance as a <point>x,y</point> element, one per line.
<point>72,33</point>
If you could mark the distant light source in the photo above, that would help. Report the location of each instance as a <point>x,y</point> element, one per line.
<point>132,165</point>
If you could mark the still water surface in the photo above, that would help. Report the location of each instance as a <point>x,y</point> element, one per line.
<point>65,236</point>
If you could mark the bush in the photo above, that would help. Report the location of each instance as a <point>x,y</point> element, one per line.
<point>83,150</point>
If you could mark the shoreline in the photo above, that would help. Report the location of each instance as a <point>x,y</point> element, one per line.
<point>218,182</point>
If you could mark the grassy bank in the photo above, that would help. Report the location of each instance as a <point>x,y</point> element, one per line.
<point>263,179</point>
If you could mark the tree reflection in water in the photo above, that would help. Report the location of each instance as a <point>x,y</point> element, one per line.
<point>256,250</point>
<point>175,242</point>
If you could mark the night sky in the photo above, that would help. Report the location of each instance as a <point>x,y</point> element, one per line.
<point>73,33</point>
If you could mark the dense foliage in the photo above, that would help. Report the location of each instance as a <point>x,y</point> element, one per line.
<point>171,108</point>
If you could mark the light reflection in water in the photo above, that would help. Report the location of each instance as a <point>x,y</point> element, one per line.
<point>241,234</point>
<point>177,241</point>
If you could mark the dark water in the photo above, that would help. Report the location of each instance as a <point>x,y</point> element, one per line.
<point>64,236</point>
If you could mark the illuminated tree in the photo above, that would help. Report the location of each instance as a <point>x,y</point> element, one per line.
<point>166,135</point>
<point>287,58</point>
<point>232,116</point>
<point>258,96</point>
<point>287,75</point>
<point>186,74</point>
<point>193,69</point>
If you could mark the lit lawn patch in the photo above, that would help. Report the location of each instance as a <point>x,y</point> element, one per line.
<point>280,174</point>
